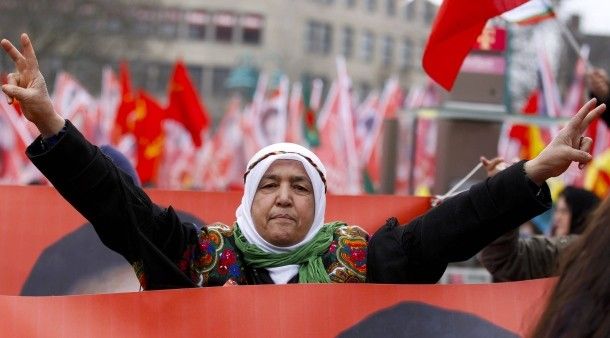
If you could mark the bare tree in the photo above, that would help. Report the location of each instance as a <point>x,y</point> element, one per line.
<point>76,36</point>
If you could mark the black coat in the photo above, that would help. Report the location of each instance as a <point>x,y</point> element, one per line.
<point>128,222</point>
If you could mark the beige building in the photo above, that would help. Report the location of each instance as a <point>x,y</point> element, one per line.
<point>300,38</point>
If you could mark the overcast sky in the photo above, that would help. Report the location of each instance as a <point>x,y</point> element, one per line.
<point>595,14</point>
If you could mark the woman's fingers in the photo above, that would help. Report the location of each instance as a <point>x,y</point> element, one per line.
<point>14,54</point>
<point>585,145</point>
<point>577,119</point>
<point>592,115</point>
<point>13,80</point>
<point>28,50</point>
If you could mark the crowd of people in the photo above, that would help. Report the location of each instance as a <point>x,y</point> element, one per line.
<point>281,234</point>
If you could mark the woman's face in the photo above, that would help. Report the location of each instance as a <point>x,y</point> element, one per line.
<point>561,218</point>
<point>284,206</point>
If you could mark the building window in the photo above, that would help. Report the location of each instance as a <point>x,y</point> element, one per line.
<point>387,50</point>
<point>144,21</point>
<point>219,81</point>
<point>390,7</point>
<point>350,3</point>
<point>347,47</point>
<point>319,37</point>
<point>114,25</point>
<point>167,23</point>
<point>406,54</point>
<point>161,79</point>
<point>368,46</point>
<point>252,26</point>
<point>409,10</point>
<point>371,5</point>
<point>152,76</point>
<point>197,22</point>
<point>224,26</point>
<point>429,12</point>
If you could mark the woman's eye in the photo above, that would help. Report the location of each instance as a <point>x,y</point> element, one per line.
<point>268,186</point>
<point>301,188</point>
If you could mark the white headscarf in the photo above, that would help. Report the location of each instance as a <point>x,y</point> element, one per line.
<point>257,166</point>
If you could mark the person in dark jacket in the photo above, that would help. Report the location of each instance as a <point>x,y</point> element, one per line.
<point>512,258</point>
<point>573,207</point>
<point>280,235</point>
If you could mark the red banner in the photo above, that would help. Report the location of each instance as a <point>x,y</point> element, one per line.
<point>306,310</point>
<point>34,218</point>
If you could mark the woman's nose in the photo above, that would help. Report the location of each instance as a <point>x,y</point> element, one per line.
<point>284,195</point>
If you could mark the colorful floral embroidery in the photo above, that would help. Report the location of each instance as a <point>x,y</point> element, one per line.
<point>217,260</point>
<point>211,242</point>
<point>350,249</point>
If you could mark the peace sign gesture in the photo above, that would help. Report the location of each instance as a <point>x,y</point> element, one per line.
<point>568,146</point>
<point>27,85</point>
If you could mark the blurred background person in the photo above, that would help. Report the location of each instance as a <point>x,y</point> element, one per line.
<point>599,87</point>
<point>512,257</point>
<point>572,208</point>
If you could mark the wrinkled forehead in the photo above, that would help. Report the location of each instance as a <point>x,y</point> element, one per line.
<point>287,168</point>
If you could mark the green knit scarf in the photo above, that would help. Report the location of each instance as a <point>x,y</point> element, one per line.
<point>308,256</point>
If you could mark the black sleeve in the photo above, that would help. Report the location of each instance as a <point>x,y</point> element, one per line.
<point>455,230</point>
<point>123,215</point>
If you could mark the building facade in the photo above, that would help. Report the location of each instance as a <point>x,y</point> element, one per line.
<point>299,38</point>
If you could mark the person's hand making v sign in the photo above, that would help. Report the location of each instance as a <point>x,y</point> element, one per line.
<point>27,85</point>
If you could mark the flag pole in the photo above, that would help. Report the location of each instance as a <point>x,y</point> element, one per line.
<point>565,31</point>
<point>568,35</point>
<point>440,198</point>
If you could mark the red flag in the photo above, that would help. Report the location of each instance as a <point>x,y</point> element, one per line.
<point>149,135</point>
<point>454,31</point>
<point>424,170</point>
<point>221,168</point>
<point>389,104</point>
<point>108,102</point>
<point>185,105</point>
<point>296,108</point>
<point>127,104</point>
<point>310,119</point>
<point>76,104</point>
<point>271,117</point>
<point>524,141</point>
<point>337,148</point>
